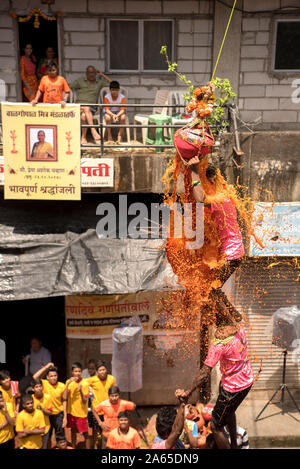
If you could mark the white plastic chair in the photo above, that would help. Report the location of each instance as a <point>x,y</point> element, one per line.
<point>102,93</point>
<point>161,99</point>
<point>177,99</point>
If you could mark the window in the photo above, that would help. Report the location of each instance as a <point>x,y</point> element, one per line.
<point>134,45</point>
<point>287,45</point>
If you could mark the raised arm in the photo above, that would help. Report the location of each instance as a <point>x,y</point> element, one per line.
<point>177,427</point>
<point>42,372</point>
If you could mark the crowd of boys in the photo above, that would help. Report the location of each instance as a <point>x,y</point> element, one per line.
<point>44,413</point>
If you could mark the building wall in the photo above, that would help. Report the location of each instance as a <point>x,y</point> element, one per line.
<point>264,97</point>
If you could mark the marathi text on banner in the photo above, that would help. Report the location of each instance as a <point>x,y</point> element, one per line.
<point>95,172</point>
<point>41,147</point>
<point>95,316</point>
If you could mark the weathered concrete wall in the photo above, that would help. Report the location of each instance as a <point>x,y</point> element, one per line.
<point>270,164</point>
<point>163,370</point>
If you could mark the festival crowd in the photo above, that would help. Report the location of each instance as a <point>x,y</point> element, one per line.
<point>41,412</point>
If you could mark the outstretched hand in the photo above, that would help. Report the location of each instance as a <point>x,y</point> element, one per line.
<point>182,395</point>
<point>194,161</point>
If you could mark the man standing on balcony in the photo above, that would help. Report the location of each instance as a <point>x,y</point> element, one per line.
<point>88,89</point>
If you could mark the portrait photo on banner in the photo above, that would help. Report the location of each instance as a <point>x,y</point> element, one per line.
<point>41,143</point>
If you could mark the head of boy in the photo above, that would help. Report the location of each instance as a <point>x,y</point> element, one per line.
<point>52,69</point>
<point>211,172</point>
<point>124,419</point>
<point>5,379</point>
<point>164,421</point>
<point>114,394</point>
<point>114,88</point>
<point>52,375</point>
<point>91,366</point>
<point>37,388</point>
<point>27,403</point>
<point>76,371</point>
<point>61,442</point>
<point>101,370</point>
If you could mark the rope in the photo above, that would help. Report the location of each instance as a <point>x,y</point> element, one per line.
<point>220,51</point>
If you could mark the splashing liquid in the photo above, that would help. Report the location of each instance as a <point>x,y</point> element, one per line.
<point>193,308</point>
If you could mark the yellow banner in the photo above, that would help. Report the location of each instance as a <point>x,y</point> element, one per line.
<point>41,147</point>
<point>95,316</point>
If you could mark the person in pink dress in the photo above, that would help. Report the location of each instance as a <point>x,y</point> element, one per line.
<point>229,347</point>
<point>231,241</point>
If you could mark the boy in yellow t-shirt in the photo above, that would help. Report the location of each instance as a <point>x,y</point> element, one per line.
<point>76,397</point>
<point>99,384</point>
<point>42,402</point>
<point>7,421</point>
<point>30,425</point>
<point>9,394</point>
<point>55,389</point>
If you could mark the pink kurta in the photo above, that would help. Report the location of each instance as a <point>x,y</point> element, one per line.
<point>228,229</point>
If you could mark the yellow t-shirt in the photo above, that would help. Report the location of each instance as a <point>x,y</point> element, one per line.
<point>45,403</point>
<point>75,405</point>
<point>8,397</point>
<point>30,422</point>
<point>100,388</point>
<point>7,433</point>
<point>55,393</point>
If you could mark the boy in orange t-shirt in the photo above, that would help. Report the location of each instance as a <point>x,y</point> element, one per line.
<point>124,436</point>
<point>53,87</point>
<point>111,409</point>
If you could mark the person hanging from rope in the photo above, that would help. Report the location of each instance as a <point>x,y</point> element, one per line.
<point>229,346</point>
<point>224,214</point>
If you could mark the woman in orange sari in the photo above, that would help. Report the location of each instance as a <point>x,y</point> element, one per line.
<point>28,75</point>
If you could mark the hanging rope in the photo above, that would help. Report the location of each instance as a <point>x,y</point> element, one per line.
<point>220,51</point>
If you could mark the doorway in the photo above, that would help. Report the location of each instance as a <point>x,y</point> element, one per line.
<point>21,320</point>
<point>46,35</point>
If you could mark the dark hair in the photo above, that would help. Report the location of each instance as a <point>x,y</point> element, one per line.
<point>114,85</point>
<point>210,442</point>
<point>211,171</point>
<point>26,398</point>
<point>1,393</point>
<point>165,420</point>
<point>92,360</point>
<point>35,337</point>
<point>51,369</point>
<point>60,438</point>
<point>101,363</point>
<point>113,390</point>
<point>4,374</point>
<point>34,382</point>
<point>125,414</point>
<point>76,365</point>
<point>52,64</point>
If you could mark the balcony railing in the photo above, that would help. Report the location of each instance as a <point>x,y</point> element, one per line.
<point>101,127</point>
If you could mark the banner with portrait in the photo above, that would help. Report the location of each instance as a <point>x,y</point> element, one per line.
<point>96,316</point>
<point>41,148</point>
